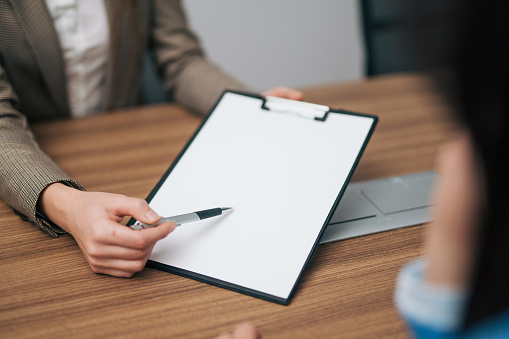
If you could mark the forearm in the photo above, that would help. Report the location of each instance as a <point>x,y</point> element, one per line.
<point>201,84</point>
<point>449,253</point>
<point>451,241</point>
<point>25,170</point>
<point>187,73</point>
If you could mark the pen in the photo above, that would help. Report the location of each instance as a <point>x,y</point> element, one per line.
<point>185,218</point>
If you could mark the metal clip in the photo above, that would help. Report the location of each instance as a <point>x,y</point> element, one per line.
<point>299,108</point>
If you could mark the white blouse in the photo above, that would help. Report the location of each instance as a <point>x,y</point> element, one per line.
<point>83,30</point>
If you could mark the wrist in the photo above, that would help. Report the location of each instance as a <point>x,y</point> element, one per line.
<point>54,203</point>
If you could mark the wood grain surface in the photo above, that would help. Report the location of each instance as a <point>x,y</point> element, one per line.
<point>47,289</point>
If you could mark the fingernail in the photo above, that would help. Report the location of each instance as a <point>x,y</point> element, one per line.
<point>151,215</point>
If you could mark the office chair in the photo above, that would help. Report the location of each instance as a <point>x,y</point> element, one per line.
<point>152,90</point>
<point>386,24</point>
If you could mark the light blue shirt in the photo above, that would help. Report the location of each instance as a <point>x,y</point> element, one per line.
<point>437,311</point>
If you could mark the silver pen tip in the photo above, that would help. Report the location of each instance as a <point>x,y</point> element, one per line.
<point>226,210</point>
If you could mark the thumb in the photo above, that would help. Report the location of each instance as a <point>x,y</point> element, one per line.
<point>149,216</point>
<point>141,211</point>
<point>136,208</point>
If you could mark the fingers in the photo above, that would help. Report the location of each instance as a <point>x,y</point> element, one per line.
<point>120,206</point>
<point>284,92</point>
<point>117,267</point>
<point>109,247</point>
<point>114,249</point>
<point>244,330</point>
<point>125,251</point>
<point>115,234</point>
<point>100,251</point>
<point>116,260</point>
<point>114,272</point>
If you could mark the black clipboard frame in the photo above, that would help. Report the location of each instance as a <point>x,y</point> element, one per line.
<point>228,285</point>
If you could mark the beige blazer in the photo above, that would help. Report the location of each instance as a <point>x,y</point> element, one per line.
<point>33,83</point>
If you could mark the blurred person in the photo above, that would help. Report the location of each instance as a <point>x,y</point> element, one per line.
<point>458,289</point>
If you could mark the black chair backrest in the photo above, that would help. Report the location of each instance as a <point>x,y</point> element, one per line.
<point>385,28</point>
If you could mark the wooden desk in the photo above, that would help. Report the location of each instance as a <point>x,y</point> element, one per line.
<point>47,289</point>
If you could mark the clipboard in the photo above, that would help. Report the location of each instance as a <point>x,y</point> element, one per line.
<point>283,166</point>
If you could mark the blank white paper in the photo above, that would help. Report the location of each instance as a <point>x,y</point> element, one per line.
<point>282,175</point>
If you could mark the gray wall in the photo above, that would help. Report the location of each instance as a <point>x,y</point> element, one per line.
<point>266,43</point>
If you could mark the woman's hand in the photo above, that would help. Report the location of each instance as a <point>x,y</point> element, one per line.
<point>284,92</point>
<point>93,219</point>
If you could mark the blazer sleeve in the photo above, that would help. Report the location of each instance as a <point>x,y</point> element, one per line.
<point>25,170</point>
<point>193,80</point>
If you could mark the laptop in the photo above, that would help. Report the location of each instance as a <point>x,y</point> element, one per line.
<point>380,205</point>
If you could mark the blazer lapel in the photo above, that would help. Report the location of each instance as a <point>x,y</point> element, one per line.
<point>43,40</point>
<point>125,52</point>
<point>111,8</point>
